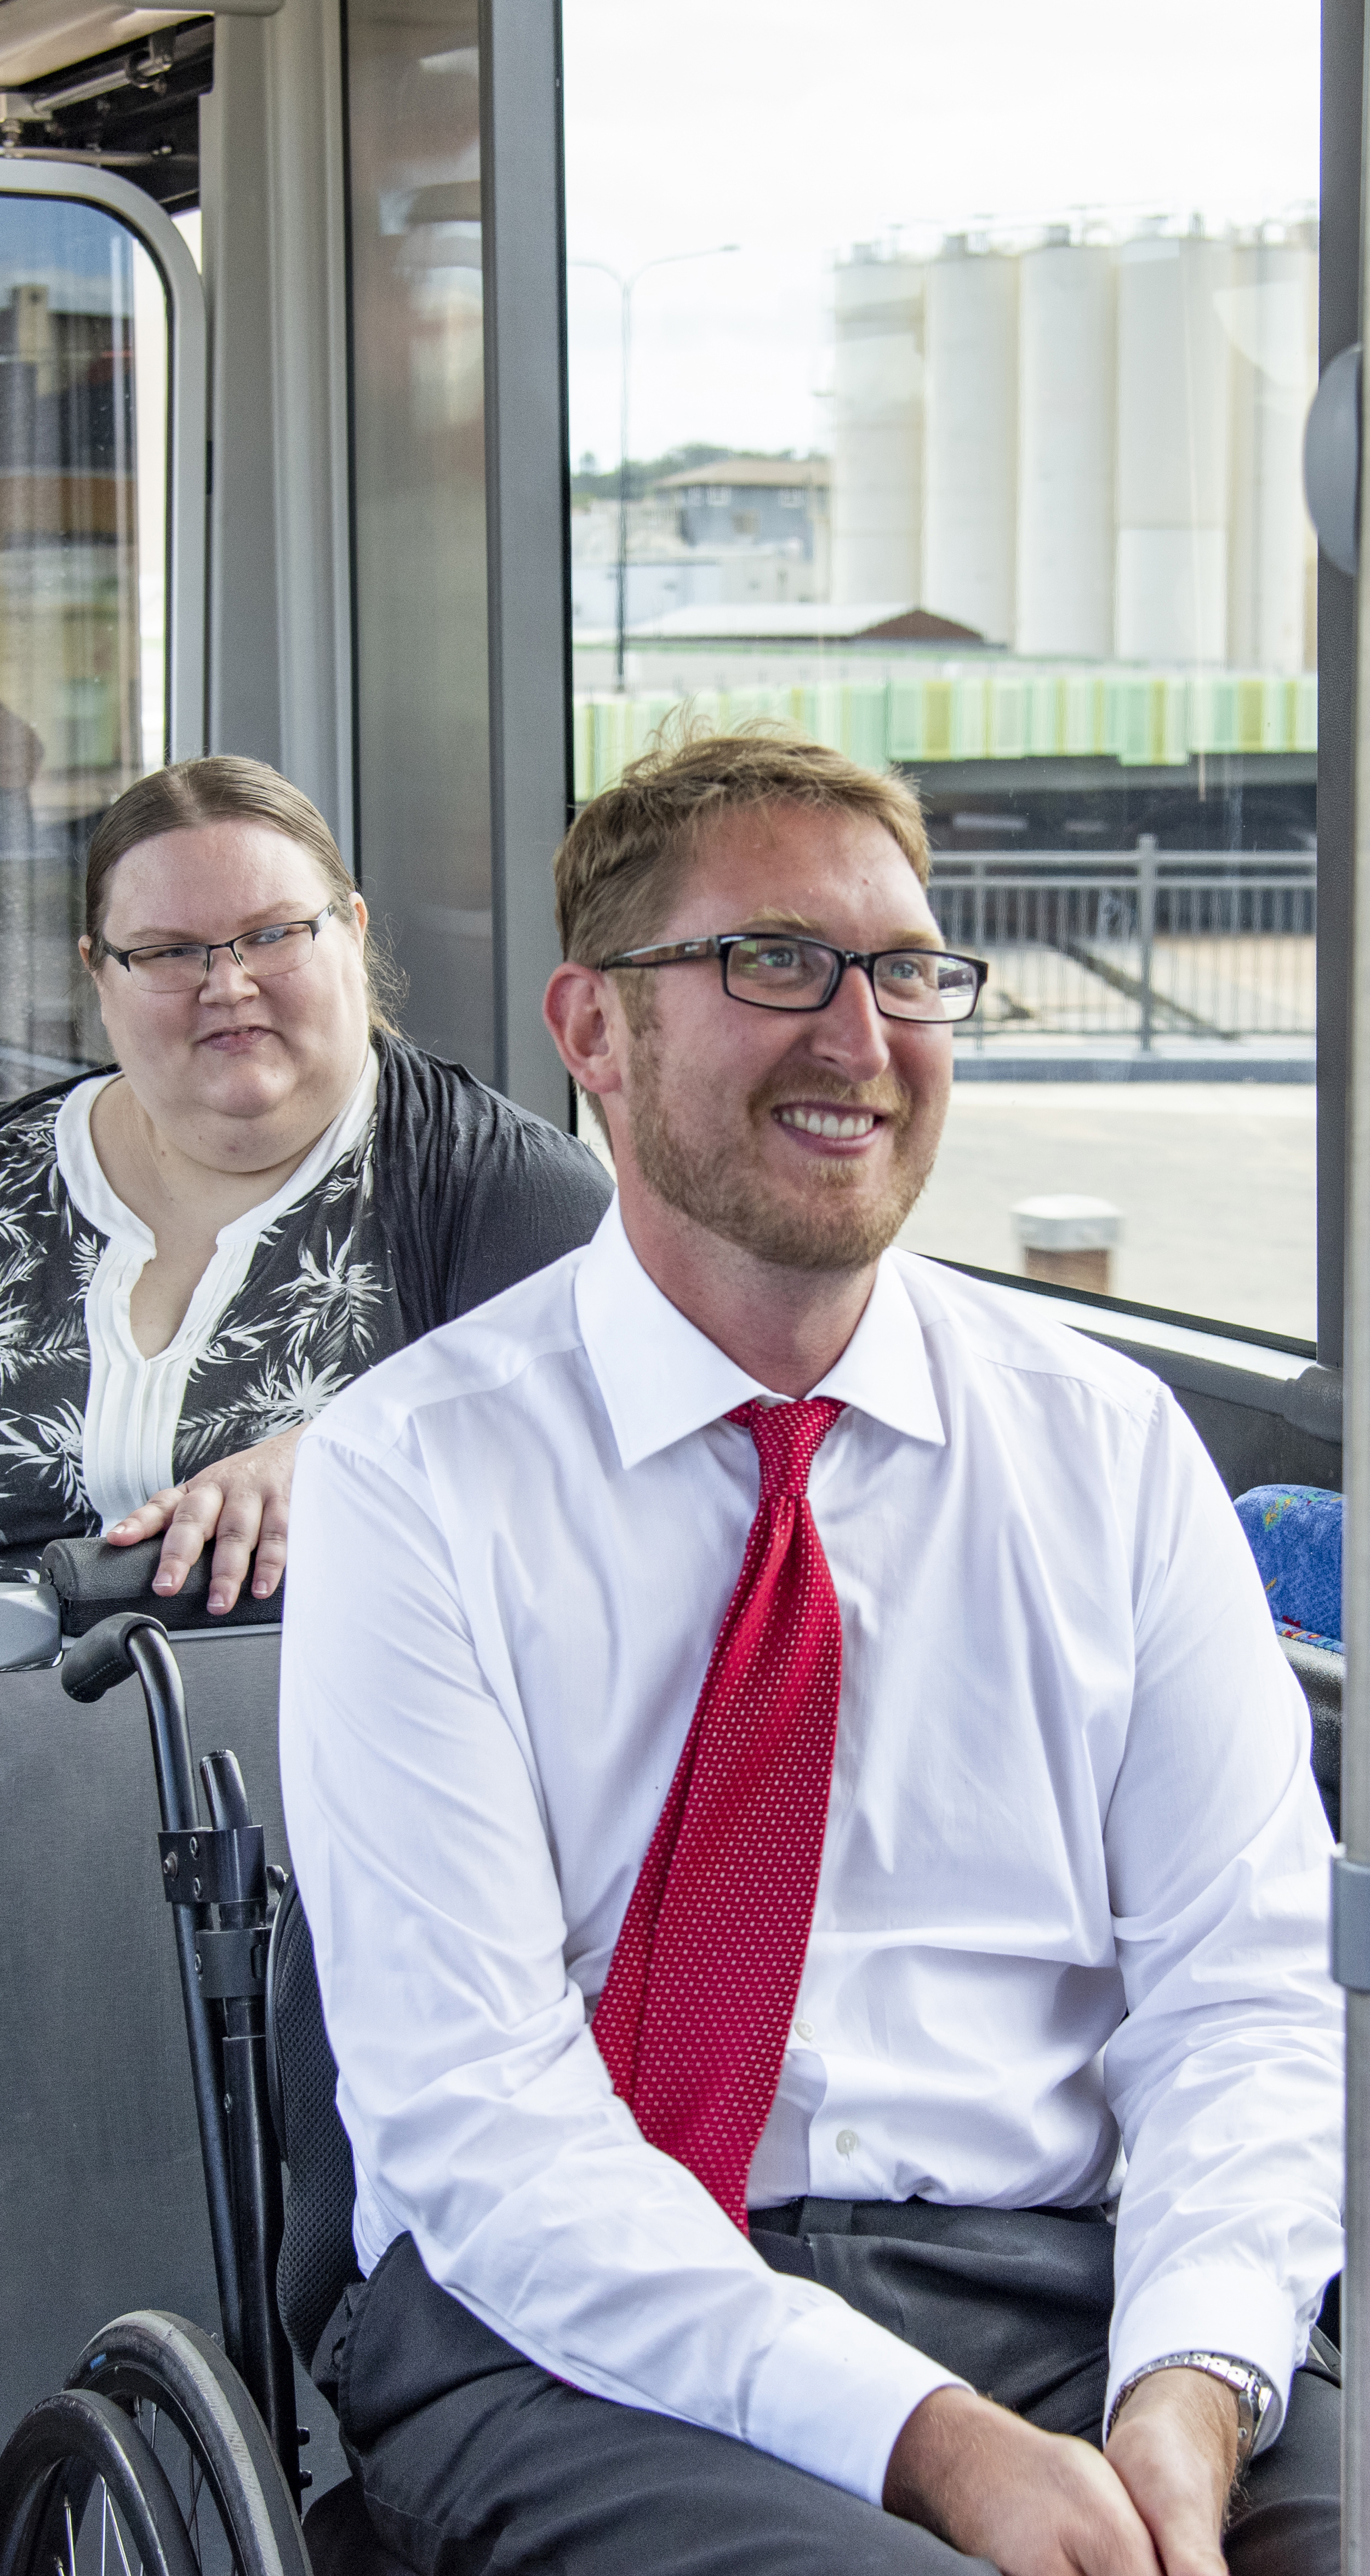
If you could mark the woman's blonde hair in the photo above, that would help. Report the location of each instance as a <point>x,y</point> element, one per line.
<point>220,789</point>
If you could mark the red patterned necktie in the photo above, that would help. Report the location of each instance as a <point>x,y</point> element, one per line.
<point>696,2007</point>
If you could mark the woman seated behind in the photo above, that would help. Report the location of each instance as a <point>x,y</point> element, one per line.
<point>270,1192</point>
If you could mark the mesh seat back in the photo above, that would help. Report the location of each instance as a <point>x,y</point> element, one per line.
<point>318,2258</point>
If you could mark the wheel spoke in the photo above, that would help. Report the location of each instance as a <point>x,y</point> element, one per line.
<point>119,2544</point>
<point>71,2536</point>
<point>197,2479</point>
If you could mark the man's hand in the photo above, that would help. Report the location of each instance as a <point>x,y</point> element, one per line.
<point>1174,2446</point>
<point>241,1502</point>
<point>1034,2504</point>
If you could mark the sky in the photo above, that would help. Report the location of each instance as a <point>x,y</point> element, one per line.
<point>797,130</point>
<point>78,252</point>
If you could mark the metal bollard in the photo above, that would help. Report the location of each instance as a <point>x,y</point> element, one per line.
<point>1068,1240</point>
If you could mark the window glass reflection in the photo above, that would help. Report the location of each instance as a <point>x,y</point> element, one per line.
<point>83,649</point>
<point>967,371</point>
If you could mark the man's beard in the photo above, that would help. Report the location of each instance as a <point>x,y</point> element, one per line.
<point>832,1229</point>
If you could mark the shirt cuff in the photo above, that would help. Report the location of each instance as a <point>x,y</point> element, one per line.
<point>834,2391</point>
<point>1225,2309</point>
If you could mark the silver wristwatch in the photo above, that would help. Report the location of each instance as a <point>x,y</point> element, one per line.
<point>1251,2388</point>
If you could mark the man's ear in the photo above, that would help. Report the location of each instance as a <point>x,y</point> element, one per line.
<point>583,1013</point>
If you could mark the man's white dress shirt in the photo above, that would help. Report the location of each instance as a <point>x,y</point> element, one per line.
<point>1073,1902</point>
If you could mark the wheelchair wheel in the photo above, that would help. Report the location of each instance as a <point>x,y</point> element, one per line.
<point>197,2419</point>
<point>82,2494</point>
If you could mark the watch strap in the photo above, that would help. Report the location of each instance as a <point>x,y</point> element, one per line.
<point>1253,2391</point>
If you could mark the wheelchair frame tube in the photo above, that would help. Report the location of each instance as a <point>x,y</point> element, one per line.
<point>152,1659</point>
<point>254,2163</point>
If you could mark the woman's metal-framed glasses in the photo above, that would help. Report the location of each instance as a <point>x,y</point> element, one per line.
<point>274,950</point>
<point>777,971</point>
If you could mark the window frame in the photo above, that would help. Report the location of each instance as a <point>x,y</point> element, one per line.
<point>186,431</point>
<point>1339,264</point>
<point>1150,1332</point>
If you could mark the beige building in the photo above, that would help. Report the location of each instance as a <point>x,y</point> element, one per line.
<point>1082,447</point>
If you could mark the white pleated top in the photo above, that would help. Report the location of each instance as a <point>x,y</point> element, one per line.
<point>134,1403</point>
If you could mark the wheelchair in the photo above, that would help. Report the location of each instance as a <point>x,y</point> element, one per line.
<point>166,2451</point>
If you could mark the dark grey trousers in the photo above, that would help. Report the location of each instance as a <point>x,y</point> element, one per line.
<point>474,2460</point>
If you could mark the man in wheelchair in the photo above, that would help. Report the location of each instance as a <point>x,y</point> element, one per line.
<point>818,1891</point>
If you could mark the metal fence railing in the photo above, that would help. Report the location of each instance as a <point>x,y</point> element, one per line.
<point>1145,945</point>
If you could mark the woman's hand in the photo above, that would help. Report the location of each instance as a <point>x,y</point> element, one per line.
<point>242,1503</point>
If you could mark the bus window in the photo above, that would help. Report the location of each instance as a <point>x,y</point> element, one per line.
<point>85,549</point>
<point>963,431</point>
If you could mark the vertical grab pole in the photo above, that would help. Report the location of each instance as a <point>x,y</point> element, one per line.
<point>1355,1794</point>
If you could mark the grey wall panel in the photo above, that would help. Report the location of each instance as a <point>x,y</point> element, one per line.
<point>101,2192</point>
<point>1250,1447</point>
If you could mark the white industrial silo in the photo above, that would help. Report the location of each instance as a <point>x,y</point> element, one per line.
<point>971,438</point>
<point>1269,310</point>
<point>1172,458</point>
<point>877,459</point>
<point>1066,376</point>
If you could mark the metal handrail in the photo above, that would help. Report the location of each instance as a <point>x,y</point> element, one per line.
<point>1139,943</point>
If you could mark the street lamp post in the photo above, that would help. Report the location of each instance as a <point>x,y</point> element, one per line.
<point>625,285</point>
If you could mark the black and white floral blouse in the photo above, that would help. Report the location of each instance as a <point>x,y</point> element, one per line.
<point>428,1195</point>
<point>298,1299</point>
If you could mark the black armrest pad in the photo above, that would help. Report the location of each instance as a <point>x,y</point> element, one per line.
<point>91,1579</point>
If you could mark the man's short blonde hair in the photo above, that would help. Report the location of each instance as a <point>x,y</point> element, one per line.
<point>621,863</point>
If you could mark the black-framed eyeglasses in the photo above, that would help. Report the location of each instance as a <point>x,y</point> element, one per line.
<point>778,971</point>
<point>274,950</point>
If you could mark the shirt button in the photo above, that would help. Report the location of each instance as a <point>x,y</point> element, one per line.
<point>846,2142</point>
<point>803,2030</point>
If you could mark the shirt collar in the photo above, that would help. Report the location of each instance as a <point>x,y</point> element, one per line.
<point>661,1378</point>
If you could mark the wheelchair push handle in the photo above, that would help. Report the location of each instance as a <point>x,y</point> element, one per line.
<point>101,1659</point>
<point>134,1642</point>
